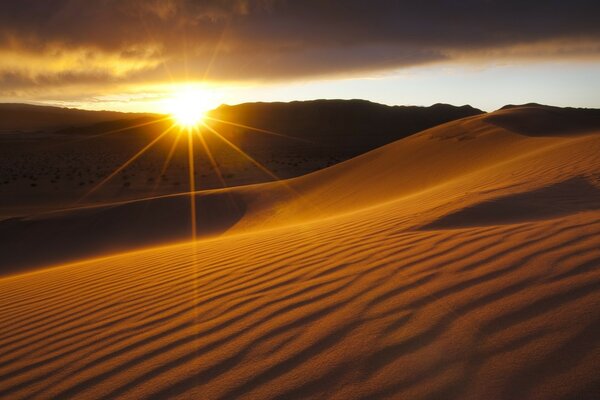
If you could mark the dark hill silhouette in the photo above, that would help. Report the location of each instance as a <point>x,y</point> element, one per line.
<point>355,125</point>
<point>320,133</point>
<point>358,125</point>
<point>57,168</point>
<point>29,117</point>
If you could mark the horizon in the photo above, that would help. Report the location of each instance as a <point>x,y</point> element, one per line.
<point>42,104</point>
<point>241,51</point>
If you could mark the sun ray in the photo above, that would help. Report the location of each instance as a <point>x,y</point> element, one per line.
<point>185,54</point>
<point>156,121</point>
<point>192,187</point>
<point>126,163</point>
<point>262,167</point>
<point>82,139</point>
<point>168,159</point>
<point>215,166</point>
<point>152,39</point>
<point>212,160</point>
<point>216,51</point>
<point>242,152</point>
<point>252,128</point>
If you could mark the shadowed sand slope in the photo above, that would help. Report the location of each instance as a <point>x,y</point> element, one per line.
<point>54,237</point>
<point>362,304</point>
<point>568,197</point>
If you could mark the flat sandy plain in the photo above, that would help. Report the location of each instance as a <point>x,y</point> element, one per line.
<point>462,262</point>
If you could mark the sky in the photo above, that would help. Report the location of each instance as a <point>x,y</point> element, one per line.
<point>134,55</point>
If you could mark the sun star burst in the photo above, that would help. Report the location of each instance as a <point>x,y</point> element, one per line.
<point>188,106</point>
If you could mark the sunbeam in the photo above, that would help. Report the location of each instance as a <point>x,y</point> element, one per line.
<point>273,199</point>
<point>126,163</point>
<point>156,121</point>
<point>192,182</point>
<point>167,160</point>
<point>211,159</point>
<point>106,133</point>
<point>252,128</point>
<point>264,169</point>
<point>216,51</point>
<point>242,152</point>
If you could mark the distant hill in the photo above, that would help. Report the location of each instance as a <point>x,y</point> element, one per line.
<point>357,125</point>
<point>351,123</point>
<point>290,139</point>
<point>65,162</point>
<point>28,117</point>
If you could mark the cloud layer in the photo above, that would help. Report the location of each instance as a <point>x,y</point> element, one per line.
<point>80,42</point>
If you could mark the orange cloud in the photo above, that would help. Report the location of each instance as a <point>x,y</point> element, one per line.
<point>79,42</point>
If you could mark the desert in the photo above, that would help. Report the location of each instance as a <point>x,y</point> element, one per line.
<point>311,200</point>
<point>476,276</point>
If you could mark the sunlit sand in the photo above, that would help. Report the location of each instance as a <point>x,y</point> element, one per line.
<point>459,262</point>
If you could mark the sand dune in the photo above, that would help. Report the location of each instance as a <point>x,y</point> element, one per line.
<point>461,262</point>
<point>457,164</point>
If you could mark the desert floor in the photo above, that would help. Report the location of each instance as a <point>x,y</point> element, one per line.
<point>462,262</point>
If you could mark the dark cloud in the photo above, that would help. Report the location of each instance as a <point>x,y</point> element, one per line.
<point>51,42</point>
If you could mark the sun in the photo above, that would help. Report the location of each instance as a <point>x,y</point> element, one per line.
<point>188,105</point>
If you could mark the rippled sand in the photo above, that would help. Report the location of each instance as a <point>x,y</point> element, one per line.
<point>462,262</point>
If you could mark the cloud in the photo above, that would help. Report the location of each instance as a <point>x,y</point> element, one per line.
<point>78,42</point>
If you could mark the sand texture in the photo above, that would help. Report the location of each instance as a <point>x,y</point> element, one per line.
<point>462,262</point>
